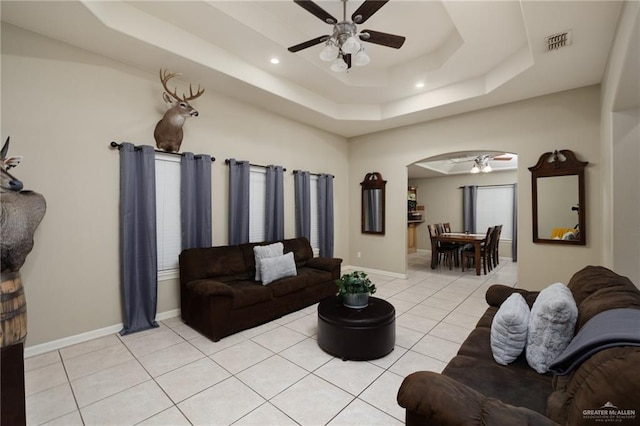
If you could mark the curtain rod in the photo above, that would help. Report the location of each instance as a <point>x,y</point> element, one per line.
<point>119,146</point>
<point>488,186</point>
<point>284,169</point>
<point>314,174</point>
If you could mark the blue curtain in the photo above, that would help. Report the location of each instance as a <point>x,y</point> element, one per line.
<point>469,199</point>
<point>239,179</point>
<point>138,252</point>
<point>274,214</point>
<point>302,188</point>
<point>325,214</point>
<point>195,200</point>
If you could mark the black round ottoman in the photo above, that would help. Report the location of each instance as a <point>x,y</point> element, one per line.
<point>356,334</point>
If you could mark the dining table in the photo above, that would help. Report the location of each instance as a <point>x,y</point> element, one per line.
<point>461,238</point>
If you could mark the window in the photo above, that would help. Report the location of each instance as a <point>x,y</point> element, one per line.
<point>257,204</point>
<point>494,206</point>
<point>313,198</point>
<point>168,212</point>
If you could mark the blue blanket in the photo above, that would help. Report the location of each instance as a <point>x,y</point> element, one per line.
<point>615,327</point>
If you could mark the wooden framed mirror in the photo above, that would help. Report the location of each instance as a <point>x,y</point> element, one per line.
<point>558,199</point>
<point>373,204</point>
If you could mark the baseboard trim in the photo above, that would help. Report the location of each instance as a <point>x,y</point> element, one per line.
<point>86,336</point>
<point>376,271</point>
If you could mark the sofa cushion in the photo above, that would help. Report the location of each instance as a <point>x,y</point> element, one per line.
<point>301,249</point>
<point>610,375</point>
<point>505,383</point>
<point>509,329</point>
<point>551,325</point>
<point>314,276</point>
<point>597,289</point>
<point>274,268</point>
<point>288,285</point>
<point>211,262</point>
<point>248,293</point>
<point>264,252</point>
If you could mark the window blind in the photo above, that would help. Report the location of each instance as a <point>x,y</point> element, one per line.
<point>168,211</point>
<point>257,204</point>
<point>494,206</point>
<point>315,229</point>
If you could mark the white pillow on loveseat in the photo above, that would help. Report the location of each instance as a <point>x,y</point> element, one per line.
<point>509,329</point>
<point>551,326</point>
<point>264,252</point>
<point>274,268</point>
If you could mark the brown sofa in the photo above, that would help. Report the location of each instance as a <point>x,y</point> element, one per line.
<point>219,296</point>
<point>475,390</point>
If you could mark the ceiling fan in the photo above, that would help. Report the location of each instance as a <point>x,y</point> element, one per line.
<point>345,39</point>
<point>481,162</point>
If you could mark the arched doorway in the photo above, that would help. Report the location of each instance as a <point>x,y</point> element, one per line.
<point>435,194</point>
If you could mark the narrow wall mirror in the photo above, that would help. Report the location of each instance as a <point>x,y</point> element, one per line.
<point>558,199</point>
<point>373,203</point>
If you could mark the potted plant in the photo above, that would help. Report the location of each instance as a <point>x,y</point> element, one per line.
<point>355,288</point>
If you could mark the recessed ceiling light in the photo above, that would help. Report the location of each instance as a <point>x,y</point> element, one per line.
<point>275,61</point>
<point>419,84</point>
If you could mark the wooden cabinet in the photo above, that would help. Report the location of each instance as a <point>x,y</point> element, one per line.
<point>412,243</point>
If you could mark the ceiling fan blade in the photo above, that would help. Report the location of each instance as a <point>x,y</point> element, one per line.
<point>316,11</point>
<point>501,158</point>
<point>308,43</point>
<point>384,39</point>
<point>366,10</point>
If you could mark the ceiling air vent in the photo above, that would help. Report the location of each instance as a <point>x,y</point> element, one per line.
<point>556,41</point>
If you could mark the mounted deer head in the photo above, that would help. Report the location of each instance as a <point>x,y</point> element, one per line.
<point>168,131</point>
<point>8,182</point>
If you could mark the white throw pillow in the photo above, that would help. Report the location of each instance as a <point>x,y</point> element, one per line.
<point>265,252</point>
<point>551,326</point>
<point>274,268</point>
<point>509,329</point>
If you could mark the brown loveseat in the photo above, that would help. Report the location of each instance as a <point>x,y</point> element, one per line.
<point>219,295</point>
<point>475,390</point>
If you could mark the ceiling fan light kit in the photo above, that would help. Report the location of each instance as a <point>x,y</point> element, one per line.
<point>481,163</point>
<point>345,40</point>
<point>339,65</point>
<point>361,59</point>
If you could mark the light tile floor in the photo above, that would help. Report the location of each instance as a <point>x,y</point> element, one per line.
<point>273,374</point>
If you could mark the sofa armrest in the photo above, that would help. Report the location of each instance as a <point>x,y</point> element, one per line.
<point>498,293</point>
<point>209,288</point>
<point>432,398</point>
<point>329,264</point>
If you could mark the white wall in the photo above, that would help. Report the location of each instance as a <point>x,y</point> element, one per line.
<point>621,148</point>
<point>62,106</point>
<point>566,120</point>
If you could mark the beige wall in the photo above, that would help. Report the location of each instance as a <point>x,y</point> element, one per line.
<point>62,106</point>
<point>566,120</point>
<point>621,149</point>
<point>442,199</point>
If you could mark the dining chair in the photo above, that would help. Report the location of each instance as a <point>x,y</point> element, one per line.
<point>468,254</point>
<point>447,254</point>
<point>496,250</point>
<point>443,228</point>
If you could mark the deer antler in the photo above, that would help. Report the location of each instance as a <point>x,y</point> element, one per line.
<point>165,76</point>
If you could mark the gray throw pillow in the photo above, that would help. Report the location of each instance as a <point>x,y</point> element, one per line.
<point>509,329</point>
<point>274,268</point>
<point>551,326</point>
<point>264,252</point>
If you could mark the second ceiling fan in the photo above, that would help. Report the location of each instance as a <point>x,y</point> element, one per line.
<point>345,39</point>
